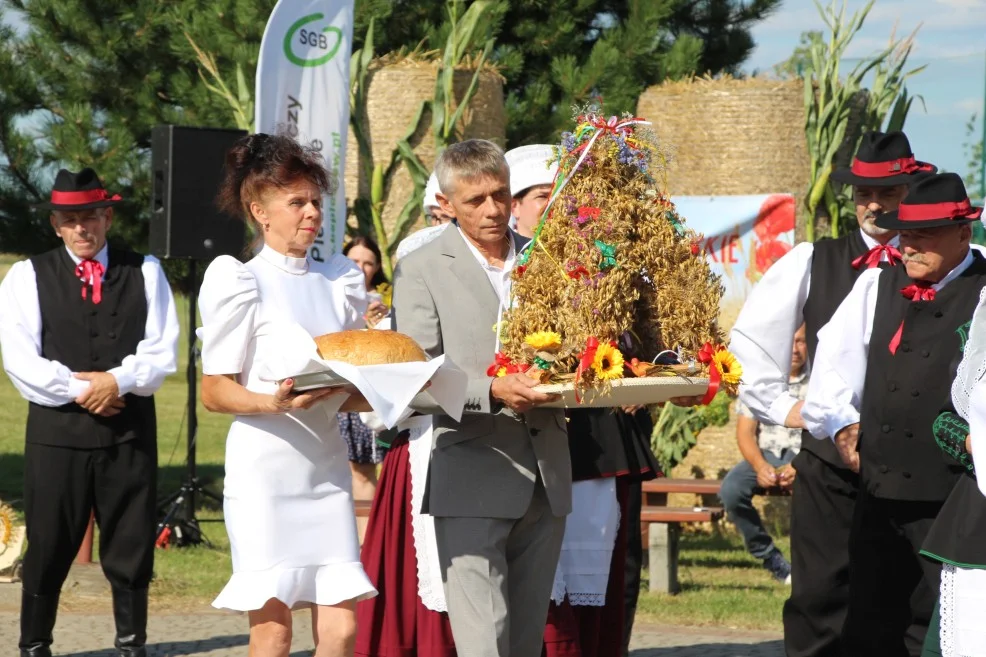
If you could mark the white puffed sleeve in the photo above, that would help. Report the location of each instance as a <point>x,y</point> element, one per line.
<point>228,304</point>
<point>349,277</point>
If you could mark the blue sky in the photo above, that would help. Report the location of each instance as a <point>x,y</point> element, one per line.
<point>951,41</point>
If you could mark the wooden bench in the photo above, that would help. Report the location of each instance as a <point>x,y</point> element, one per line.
<point>664,530</point>
<point>660,525</point>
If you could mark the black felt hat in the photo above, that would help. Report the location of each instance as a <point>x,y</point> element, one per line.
<point>937,200</point>
<point>78,191</point>
<point>883,160</point>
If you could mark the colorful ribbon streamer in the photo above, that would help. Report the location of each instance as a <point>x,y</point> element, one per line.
<point>585,362</point>
<point>706,356</point>
<point>594,121</point>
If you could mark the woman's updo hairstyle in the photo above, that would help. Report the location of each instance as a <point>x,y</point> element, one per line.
<point>256,163</point>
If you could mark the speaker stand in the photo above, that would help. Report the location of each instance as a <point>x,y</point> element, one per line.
<point>179,526</point>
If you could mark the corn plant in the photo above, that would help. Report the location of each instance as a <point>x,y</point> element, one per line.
<point>888,102</point>
<point>241,102</point>
<point>829,100</point>
<point>676,429</point>
<point>465,31</point>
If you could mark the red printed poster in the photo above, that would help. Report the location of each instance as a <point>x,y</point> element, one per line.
<point>742,237</point>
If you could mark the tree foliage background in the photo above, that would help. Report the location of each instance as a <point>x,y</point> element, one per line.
<point>82,82</point>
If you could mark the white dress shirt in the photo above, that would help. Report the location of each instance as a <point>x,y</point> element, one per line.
<point>835,392</point>
<point>50,383</point>
<point>499,276</point>
<point>763,334</point>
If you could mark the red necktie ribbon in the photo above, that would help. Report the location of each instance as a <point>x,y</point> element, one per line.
<point>90,272</point>
<point>914,292</point>
<point>872,257</point>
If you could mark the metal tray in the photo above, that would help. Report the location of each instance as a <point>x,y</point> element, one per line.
<point>314,380</point>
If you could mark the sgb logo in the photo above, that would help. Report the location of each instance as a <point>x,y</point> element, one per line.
<point>327,41</point>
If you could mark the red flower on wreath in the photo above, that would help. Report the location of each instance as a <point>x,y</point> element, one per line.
<point>578,273</point>
<point>502,365</point>
<point>586,213</point>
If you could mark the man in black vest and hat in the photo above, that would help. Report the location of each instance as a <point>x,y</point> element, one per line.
<point>88,333</point>
<point>806,286</point>
<point>887,361</point>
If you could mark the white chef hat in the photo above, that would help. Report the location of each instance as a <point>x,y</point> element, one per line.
<point>531,165</point>
<point>430,190</point>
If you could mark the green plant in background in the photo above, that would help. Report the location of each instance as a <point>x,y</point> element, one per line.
<point>240,103</point>
<point>829,103</point>
<point>466,31</point>
<point>369,211</point>
<point>975,178</point>
<point>676,429</point>
<point>464,35</point>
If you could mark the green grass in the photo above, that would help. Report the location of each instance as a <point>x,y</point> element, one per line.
<point>721,585</point>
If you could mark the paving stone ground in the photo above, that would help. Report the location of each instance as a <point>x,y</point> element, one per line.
<point>204,633</point>
<point>85,629</point>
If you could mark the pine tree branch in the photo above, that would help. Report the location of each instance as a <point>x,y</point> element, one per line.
<point>12,161</point>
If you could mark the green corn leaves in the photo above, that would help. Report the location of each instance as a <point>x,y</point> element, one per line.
<point>830,99</point>
<point>469,33</point>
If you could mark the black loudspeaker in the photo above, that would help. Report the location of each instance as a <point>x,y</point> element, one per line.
<point>187,167</point>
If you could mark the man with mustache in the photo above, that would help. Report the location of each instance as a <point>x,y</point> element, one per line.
<point>890,354</point>
<point>89,333</point>
<point>806,286</point>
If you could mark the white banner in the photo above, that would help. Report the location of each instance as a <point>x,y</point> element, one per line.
<point>743,237</point>
<point>303,91</point>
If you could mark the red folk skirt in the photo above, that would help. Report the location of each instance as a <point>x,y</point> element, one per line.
<point>395,623</point>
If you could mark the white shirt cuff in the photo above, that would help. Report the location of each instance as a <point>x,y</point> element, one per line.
<point>840,420</point>
<point>780,408</point>
<point>126,380</point>
<point>76,387</point>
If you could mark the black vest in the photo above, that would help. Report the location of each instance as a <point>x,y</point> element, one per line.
<point>832,278</point>
<point>903,393</point>
<point>88,337</point>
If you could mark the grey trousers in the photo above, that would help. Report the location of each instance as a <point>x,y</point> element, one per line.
<point>498,576</point>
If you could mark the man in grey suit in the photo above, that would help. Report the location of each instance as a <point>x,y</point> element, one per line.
<point>500,481</point>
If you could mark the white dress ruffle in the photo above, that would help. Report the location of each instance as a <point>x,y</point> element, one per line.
<point>431,591</point>
<point>963,612</point>
<point>288,488</point>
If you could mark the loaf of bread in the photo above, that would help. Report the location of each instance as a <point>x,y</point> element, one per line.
<point>369,347</point>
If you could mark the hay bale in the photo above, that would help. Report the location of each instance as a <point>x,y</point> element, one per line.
<point>395,91</point>
<point>732,136</point>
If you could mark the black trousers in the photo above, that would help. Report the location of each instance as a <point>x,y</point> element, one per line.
<point>634,561</point>
<point>63,485</point>
<point>821,517</point>
<point>893,588</point>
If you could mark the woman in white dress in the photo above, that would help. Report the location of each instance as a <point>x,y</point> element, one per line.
<point>288,500</point>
